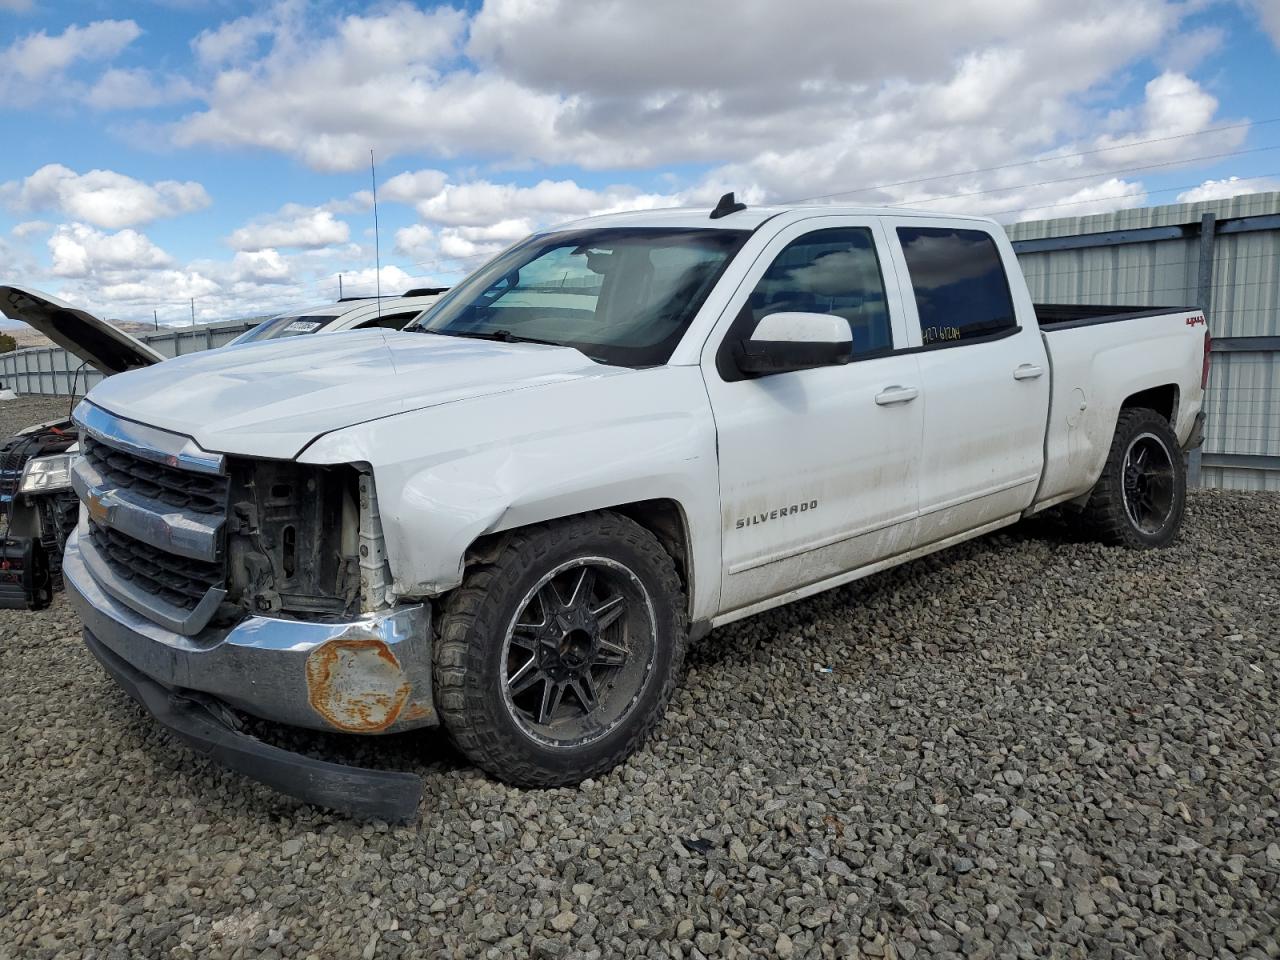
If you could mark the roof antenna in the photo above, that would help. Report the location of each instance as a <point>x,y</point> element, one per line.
<point>377,250</point>
<point>726,206</point>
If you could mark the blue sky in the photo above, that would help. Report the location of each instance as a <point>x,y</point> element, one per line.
<point>161,151</point>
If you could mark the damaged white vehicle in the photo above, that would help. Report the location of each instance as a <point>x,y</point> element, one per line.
<point>36,496</point>
<point>511,518</point>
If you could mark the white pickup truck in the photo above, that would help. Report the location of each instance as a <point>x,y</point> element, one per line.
<point>511,518</point>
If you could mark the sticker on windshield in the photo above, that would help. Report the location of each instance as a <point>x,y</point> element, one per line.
<point>302,326</point>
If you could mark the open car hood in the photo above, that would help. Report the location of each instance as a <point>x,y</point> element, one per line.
<point>91,339</point>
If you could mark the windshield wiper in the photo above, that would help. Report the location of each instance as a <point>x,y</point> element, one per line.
<point>506,336</point>
<point>501,336</point>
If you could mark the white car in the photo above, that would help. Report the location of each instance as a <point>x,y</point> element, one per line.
<point>352,313</point>
<point>511,518</point>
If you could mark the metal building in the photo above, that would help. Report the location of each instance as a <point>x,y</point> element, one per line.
<point>1221,255</point>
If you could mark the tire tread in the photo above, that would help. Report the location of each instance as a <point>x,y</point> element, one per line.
<point>472,614</point>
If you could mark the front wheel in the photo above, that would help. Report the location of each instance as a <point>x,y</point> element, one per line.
<point>557,659</point>
<point>1142,493</point>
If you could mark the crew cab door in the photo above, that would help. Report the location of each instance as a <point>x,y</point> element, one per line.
<point>983,370</point>
<point>819,467</point>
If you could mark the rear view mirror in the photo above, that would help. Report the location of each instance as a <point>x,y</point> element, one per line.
<point>785,342</point>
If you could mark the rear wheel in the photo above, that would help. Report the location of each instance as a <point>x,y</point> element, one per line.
<point>1142,493</point>
<point>557,659</point>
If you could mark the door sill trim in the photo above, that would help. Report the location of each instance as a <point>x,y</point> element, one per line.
<point>840,579</point>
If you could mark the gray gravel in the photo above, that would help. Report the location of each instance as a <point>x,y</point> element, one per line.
<point>1027,746</point>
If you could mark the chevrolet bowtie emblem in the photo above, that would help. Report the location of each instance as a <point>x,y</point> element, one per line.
<point>98,510</point>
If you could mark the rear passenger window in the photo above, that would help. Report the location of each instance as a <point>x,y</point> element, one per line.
<point>829,271</point>
<point>959,282</point>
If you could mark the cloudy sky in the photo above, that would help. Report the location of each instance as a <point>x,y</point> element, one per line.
<point>160,151</point>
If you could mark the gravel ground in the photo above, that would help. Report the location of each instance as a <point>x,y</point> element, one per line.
<point>1027,746</point>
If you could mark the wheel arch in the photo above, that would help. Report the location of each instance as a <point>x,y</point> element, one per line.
<point>664,517</point>
<point>1162,399</point>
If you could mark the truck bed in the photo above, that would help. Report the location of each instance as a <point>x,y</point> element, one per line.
<point>1097,362</point>
<point>1063,316</point>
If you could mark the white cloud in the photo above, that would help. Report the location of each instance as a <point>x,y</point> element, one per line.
<point>465,222</point>
<point>31,228</point>
<point>232,41</point>
<point>119,89</point>
<point>1228,187</point>
<point>39,55</point>
<point>261,266</point>
<point>170,288</point>
<point>509,208</point>
<point>1102,197</point>
<point>412,186</point>
<point>377,77</point>
<point>1186,51</point>
<point>771,97</point>
<point>103,198</point>
<point>364,282</point>
<point>292,226</point>
<point>415,241</point>
<point>1268,12</point>
<point>79,250</point>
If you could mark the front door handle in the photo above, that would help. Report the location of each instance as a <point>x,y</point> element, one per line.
<point>1028,371</point>
<point>895,394</point>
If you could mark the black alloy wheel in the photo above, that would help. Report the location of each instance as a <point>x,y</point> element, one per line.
<point>1148,483</point>
<point>577,654</point>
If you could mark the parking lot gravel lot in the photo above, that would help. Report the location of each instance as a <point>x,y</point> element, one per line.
<point>1026,746</point>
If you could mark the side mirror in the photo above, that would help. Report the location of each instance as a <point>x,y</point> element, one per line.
<point>784,342</point>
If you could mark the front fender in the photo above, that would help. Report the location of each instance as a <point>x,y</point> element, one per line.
<point>452,473</point>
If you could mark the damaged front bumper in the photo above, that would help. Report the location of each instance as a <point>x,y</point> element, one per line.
<point>371,675</point>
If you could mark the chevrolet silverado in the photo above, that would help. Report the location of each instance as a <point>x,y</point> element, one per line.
<point>511,518</point>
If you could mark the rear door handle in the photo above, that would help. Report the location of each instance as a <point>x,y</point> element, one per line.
<point>895,394</point>
<point>1027,371</point>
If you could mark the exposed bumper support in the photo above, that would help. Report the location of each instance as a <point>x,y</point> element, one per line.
<point>385,794</point>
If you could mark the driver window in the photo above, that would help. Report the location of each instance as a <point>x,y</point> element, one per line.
<point>833,271</point>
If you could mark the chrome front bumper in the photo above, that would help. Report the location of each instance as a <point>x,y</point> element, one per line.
<point>371,675</point>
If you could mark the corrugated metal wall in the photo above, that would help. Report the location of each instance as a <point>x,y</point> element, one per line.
<point>1244,386</point>
<point>52,371</point>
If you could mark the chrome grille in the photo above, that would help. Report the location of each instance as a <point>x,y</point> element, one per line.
<point>154,508</point>
<point>173,579</point>
<point>202,493</point>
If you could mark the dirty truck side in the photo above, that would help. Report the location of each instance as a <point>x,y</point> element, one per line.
<point>511,518</point>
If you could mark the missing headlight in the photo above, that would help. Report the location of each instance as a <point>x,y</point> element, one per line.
<point>293,539</point>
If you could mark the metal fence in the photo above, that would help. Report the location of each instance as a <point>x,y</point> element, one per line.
<point>1222,256</point>
<point>51,371</point>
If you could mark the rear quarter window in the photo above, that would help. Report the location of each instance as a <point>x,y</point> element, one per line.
<point>958,278</point>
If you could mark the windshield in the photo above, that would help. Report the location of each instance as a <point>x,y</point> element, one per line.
<point>277,327</point>
<point>621,295</point>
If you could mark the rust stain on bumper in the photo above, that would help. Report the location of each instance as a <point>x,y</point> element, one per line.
<point>357,685</point>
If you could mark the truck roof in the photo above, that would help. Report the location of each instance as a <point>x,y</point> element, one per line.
<point>751,217</point>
